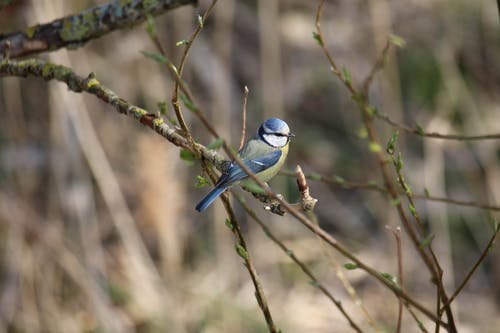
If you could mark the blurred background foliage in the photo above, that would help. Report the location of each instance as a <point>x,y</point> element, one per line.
<point>98,231</point>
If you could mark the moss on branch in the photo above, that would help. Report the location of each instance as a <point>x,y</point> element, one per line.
<point>90,84</point>
<point>75,30</point>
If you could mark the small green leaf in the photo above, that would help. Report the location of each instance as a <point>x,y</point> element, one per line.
<point>398,163</point>
<point>426,241</point>
<point>374,147</point>
<point>314,283</point>
<point>390,277</point>
<point>242,252</point>
<point>150,26</point>
<point>188,103</point>
<point>350,266</point>
<point>315,176</point>
<point>289,253</point>
<point>421,325</point>
<point>338,179</point>
<point>229,224</point>
<point>181,42</point>
<point>162,106</point>
<point>359,98</point>
<point>216,144</point>
<point>317,37</point>
<point>412,209</point>
<point>395,202</point>
<point>201,181</point>
<point>173,68</point>
<point>266,232</point>
<point>347,75</point>
<point>392,141</point>
<point>362,133</point>
<point>371,110</point>
<point>187,156</point>
<point>397,40</point>
<point>426,192</point>
<point>158,57</point>
<point>407,189</point>
<point>200,21</point>
<point>420,130</point>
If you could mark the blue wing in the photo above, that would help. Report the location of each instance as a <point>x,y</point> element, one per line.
<point>236,173</point>
<point>256,165</point>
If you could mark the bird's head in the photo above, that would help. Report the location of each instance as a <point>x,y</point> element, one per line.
<point>275,132</point>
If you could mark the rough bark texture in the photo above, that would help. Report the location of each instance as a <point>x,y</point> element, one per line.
<point>75,30</point>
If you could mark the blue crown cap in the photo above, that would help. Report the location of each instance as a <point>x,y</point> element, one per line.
<point>275,125</point>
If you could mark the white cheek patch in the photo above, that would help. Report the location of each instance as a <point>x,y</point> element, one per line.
<point>275,140</point>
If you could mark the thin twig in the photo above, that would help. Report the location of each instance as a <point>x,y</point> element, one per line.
<point>314,281</point>
<point>457,202</point>
<point>372,186</point>
<point>194,106</point>
<point>349,288</point>
<point>481,258</point>
<point>333,242</point>
<point>319,37</point>
<point>355,93</point>
<point>242,250</point>
<point>379,64</point>
<point>367,115</point>
<point>421,132</point>
<point>438,270</point>
<point>396,232</point>
<point>243,118</point>
<point>438,311</point>
<point>180,68</point>
<point>417,320</point>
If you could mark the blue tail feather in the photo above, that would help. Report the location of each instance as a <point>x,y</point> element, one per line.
<point>209,198</point>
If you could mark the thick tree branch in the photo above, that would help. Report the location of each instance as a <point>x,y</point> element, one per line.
<point>90,84</point>
<point>75,30</point>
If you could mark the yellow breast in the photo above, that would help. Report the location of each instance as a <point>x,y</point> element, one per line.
<point>269,173</point>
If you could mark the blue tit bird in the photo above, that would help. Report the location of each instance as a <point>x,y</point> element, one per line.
<point>264,155</point>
